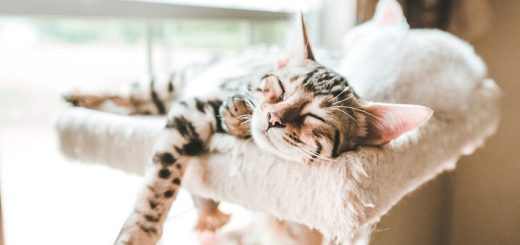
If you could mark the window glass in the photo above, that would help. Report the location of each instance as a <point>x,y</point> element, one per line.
<point>49,197</point>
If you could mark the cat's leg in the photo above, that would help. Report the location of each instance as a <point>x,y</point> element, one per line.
<point>210,217</point>
<point>235,113</point>
<point>150,97</point>
<point>190,124</point>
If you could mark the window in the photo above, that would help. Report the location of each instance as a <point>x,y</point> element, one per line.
<point>43,57</point>
<point>49,47</point>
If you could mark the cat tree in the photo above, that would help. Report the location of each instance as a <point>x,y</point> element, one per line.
<point>338,198</point>
<point>342,197</point>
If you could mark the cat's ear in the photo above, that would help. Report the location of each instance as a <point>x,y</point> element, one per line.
<point>299,47</point>
<point>389,12</point>
<point>386,122</point>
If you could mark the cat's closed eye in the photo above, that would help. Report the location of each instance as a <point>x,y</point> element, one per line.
<point>312,116</point>
<point>294,78</point>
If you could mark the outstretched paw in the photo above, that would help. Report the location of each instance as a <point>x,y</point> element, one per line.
<point>211,220</point>
<point>235,114</point>
<point>109,103</point>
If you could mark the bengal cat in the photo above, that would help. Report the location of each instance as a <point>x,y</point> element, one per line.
<point>300,111</point>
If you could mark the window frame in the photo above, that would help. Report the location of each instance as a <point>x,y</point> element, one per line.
<point>323,27</point>
<point>137,9</point>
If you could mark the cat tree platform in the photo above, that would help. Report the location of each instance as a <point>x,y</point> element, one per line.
<point>338,198</point>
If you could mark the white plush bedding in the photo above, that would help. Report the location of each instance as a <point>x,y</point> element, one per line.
<point>338,197</point>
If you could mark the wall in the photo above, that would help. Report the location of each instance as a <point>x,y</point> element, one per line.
<point>479,203</point>
<point>486,203</point>
<point>422,217</point>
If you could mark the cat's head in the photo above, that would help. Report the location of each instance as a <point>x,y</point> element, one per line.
<point>305,111</point>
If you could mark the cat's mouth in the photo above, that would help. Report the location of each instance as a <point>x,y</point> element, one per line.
<point>271,144</point>
<point>268,138</point>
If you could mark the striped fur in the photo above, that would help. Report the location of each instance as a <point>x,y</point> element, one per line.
<point>321,116</point>
<point>300,111</point>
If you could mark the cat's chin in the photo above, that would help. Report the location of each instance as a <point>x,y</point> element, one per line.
<point>263,141</point>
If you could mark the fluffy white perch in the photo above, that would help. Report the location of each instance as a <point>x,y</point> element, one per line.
<point>338,198</point>
<point>387,63</point>
<point>120,141</point>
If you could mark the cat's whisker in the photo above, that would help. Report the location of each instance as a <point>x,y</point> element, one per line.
<point>337,96</point>
<point>300,147</point>
<point>317,155</point>
<point>344,90</point>
<point>344,112</point>
<point>357,109</point>
<point>244,117</point>
<point>297,147</point>
<point>337,102</point>
<point>281,135</point>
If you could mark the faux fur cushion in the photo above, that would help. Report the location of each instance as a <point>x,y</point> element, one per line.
<point>339,198</point>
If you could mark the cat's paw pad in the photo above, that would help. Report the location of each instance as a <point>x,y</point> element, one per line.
<point>211,220</point>
<point>235,114</point>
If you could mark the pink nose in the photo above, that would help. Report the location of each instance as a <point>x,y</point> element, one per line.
<point>274,120</point>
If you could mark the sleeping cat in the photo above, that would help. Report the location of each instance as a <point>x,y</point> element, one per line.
<point>300,111</point>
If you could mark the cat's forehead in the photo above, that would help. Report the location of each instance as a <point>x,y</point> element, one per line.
<point>323,81</point>
<point>319,102</point>
<point>309,82</point>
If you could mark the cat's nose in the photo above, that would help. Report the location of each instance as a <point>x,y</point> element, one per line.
<point>274,120</point>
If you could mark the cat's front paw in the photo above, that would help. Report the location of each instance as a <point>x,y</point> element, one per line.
<point>235,114</point>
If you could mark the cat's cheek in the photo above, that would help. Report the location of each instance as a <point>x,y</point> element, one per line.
<point>306,137</point>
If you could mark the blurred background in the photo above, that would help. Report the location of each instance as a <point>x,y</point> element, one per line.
<point>50,46</point>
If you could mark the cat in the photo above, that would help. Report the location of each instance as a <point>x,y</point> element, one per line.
<point>300,111</point>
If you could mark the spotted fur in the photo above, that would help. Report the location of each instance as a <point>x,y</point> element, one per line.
<point>301,111</point>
